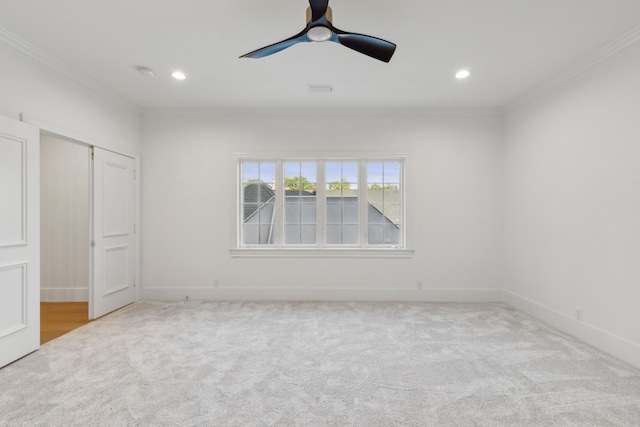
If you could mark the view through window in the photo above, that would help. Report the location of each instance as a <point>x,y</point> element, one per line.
<point>321,203</point>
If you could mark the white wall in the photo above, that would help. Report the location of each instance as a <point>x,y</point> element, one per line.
<point>453,202</point>
<point>54,101</point>
<point>572,205</point>
<point>64,221</point>
<point>32,88</point>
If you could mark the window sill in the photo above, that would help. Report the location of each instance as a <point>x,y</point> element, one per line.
<point>320,253</point>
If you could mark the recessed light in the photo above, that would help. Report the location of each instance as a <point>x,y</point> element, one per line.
<point>178,75</point>
<point>463,74</point>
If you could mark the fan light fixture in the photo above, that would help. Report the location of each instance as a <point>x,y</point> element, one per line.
<point>320,28</point>
<point>178,75</point>
<point>319,34</point>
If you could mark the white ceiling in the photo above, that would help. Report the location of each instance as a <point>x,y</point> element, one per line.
<point>509,45</point>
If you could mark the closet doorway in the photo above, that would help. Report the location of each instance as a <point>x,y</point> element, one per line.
<point>65,191</point>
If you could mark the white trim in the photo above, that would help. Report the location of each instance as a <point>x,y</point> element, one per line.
<point>65,69</point>
<point>322,294</point>
<point>288,155</point>
<point>75,137</point>
<point>81,139</point>
<point>322,112</point>
<point>270,252</point>
<point>278,248</point>
<point>591,334</point>
<point>64,295</point>
<point>574,70</point>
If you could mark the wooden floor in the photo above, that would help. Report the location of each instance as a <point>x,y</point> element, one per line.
<point>58,318</point>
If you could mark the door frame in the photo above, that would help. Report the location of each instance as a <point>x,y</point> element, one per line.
<point>77,138</point>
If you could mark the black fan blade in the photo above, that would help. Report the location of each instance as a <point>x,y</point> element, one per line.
<point>277,47</point>
<point>371,46</point>
<point>318,8</point>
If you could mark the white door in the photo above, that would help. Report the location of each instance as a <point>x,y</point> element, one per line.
<point>113,232</point>
<point>19,240</point>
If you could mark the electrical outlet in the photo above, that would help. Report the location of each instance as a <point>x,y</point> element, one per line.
<point>215,283</point>
<point>579,314</point>
<point>419,284</point>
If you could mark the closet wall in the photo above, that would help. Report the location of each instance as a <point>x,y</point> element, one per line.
<point>64,181</point>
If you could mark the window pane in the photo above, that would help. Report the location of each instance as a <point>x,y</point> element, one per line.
<point>250,234</point>
<point>376,235</point>
<point>266,234</point>
<point>392,213</point>
<point>383,203</point>
<point>334,213</point>
<point>266,213</point>
<point>292,234</point>
<point>251,172</point>
<point>308,214</point>
<point>374,214</point>
<point>334,234</point>
<point>300,178</point>
<point>308,235</point>
<point>342,202</point>
<point>374,172</point>
<point>350,213</point>
<point>291,213</point>
<point>267,171</point>
<point>392,172</point>
<point>300,202</point>
<point>333,172</point>
<point>349,234</point>
<point>258,202</point>
<point>310,170</point>
<point>291,169</point>
<point>391,235</point>
<point>350,172</point>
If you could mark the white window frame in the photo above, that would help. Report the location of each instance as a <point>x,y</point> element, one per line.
<point>321,249</point>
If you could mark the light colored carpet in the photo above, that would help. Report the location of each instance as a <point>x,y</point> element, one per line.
<point>318,364</point>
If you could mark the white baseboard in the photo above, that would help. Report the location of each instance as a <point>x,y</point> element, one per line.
<point>298,294</point>
<point>599,338</point>
<point>64,294</point>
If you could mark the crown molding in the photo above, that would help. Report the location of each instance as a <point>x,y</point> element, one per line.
<point>54,63</point>
<point>586,63</point>
<point>322,112</point>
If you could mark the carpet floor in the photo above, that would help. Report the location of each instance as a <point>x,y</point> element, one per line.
<point>318,364</point>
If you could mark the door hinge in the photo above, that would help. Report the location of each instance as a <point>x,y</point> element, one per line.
<point>134,282</point>
<point>134,228</point>
<point>92,153</point>
<point>93,243</point>
<point>134,174</point>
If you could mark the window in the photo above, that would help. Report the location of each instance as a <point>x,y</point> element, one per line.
<point>321,203</point>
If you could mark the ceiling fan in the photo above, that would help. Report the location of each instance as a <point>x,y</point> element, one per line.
<point>320,29</point>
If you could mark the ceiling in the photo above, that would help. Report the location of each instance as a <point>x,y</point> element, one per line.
<point>510,46</point>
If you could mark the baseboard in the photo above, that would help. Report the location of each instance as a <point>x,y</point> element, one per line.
<point>599,338</point>
<point>64,294</point>
<point>298,294</point>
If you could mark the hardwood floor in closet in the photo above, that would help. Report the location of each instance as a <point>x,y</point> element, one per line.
<point>58,318</point>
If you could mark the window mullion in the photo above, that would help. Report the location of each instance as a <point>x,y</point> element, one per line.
<point>362,202</point>
<point>321,210</point>
<point>279,205</point>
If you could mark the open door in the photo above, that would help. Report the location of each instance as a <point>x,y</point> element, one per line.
<point>19,240</point>
<point>113,232</point>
